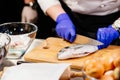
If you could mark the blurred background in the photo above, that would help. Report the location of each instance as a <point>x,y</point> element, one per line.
<point>10,11</point>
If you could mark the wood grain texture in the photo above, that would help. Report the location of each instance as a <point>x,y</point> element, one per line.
<point>49,54</point>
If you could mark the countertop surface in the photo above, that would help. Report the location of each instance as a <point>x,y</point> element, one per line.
<point>12,62</point>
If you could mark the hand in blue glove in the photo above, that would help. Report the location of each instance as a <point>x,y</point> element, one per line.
<point>107,35</point>
<point>65,28</point>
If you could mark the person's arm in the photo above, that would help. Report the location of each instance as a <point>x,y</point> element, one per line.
<point>64,27</point>
<point>29,12</point>
<point>55,11</point>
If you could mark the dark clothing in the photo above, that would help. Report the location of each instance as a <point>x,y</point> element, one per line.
<point>89,24</point>
<point>45,25</point>
<point>85,24</point>
<point>10,10</point>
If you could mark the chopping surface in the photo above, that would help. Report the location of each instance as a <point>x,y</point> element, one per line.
<point>47,52</point>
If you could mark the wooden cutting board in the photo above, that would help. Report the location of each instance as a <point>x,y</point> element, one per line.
<point>47,52</point>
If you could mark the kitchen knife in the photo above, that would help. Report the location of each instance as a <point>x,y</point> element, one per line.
<point>84,46</point>
<point>80,39</point>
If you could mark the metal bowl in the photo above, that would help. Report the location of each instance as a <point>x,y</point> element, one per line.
<point>4,46</point>
<point>22,35</point>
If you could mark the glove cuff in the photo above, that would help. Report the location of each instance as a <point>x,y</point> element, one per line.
<point>116,24</point>
<point>62,16</point>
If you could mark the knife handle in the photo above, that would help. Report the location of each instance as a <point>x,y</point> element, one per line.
<point>20,62</point>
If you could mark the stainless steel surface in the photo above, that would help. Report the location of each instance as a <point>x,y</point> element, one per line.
<point>86,40</point>
<point>22,35</point>
<point>4,46</point>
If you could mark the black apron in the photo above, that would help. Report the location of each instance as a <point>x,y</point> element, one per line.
<point>86,25</point>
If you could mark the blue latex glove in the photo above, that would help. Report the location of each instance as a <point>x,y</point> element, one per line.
<point>107,35</point>
<point>65,28</point>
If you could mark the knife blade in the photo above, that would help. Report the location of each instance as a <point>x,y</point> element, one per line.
<point>76,51</point>
<point>80,39</point>
<point>84,46</point>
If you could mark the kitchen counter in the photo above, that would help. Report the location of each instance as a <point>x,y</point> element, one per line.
<point>34,44</point>
<point>11,62</point>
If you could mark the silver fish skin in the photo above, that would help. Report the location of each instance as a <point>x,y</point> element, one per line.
<point>76,51</point>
